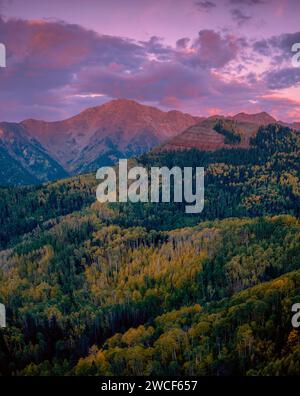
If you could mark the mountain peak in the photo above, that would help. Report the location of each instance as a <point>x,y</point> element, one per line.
<point>117,105</point>
<point>119,127</point>
<point>261,118</point>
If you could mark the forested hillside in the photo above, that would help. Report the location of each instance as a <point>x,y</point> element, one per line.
<point>94,289</point>
<point>203,300</point>
<point>251,182</point>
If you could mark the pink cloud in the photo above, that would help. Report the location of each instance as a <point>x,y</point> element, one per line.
<point>56,69</point>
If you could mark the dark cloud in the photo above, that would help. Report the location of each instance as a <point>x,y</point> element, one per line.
<point>156,46</point>
<point>262,47</point>
<point>239,17</point>
<point>247,2</point>
<point>278,48</point>
<point>210,50</point>
<point>251,78</point>
<point>205,5</point>
<point>182,43</point>
<point>283,78</point>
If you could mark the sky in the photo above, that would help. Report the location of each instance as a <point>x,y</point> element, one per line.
<point>200,57</point>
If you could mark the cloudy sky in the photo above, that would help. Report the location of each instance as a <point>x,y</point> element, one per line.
<point>202,57</point>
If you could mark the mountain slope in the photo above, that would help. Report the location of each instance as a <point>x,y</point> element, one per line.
<point>11,172</point>
<point>208,137</point>
<point>99,135</point>
<point>220,306</point>
<point>296,125</point>
<point>260,180</point>
<point>262,118</point>
<point>122,128</point>
<point>23,160</point>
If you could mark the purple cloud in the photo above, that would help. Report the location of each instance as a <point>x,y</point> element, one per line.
<point>56,69</point>
<point>247,2</point>
<point>239,17</point>
<point>206,6</point>
<point>279,46</point>
<point>283,78</point>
